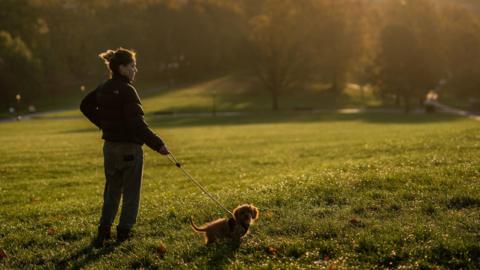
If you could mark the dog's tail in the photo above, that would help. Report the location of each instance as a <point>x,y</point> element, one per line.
<point>195,226</point>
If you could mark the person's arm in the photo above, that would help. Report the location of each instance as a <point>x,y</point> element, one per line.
<point>134,117</point>
<point>89,108</point>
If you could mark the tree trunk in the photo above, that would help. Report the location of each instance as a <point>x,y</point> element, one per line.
<point>337,83</point>
<point>275,100</point>
<point>5,102</point>
<point>334,87</point>
<point>407,107</point>
<point>397,100</point>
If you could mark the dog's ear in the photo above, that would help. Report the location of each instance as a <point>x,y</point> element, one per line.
<point>236,213</point>
<point>254,212</point>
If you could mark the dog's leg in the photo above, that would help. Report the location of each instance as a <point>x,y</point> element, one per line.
<point>210,240</point>
<point>239,232</point>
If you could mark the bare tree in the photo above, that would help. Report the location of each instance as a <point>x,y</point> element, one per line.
<point>338,37</point>
<point>409,62</point>
<point>461,39</point>
<point>280,47</point>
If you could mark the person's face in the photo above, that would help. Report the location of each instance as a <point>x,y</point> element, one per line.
<point>128,70</point>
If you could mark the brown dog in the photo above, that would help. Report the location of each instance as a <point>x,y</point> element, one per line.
<point>233,228</point>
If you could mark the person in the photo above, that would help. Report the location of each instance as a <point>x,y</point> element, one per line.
<point>431,101</point>
<point>115,108</point>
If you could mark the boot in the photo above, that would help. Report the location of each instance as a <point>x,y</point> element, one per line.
<point>104,234</point>
<point>123,234</point>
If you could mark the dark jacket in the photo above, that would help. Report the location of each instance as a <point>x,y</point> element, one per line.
<point>115,108</point>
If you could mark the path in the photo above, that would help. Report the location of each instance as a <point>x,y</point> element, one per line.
<point>440,107</point>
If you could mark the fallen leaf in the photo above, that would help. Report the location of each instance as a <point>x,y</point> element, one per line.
<point>3,254</point>
<point>332,266</point>
<point>271,250</point>
<point>161,250</point>
<point>354,221</point>
<point>51,231</point>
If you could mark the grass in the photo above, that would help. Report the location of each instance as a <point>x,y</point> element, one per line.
<point>229,93</point>
<point>359,191</point>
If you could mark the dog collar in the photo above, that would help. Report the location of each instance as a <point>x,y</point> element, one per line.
<point>232,222</point>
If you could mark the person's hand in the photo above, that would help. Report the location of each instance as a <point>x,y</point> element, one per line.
<point>163,150</point>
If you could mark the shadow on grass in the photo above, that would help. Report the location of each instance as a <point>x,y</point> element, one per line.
<point>217,255</point>
<point>222,254</point>
<point>298,117</point>
<point>231,92</point>
<point>252,118</point>
<point>85,256</point>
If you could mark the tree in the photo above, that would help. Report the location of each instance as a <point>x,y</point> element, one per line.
<point>405,72</point>
<point>461,39</point>
<point>409,62</point>
<point>338,38</point>
<point>18,68</point>
<point>280,47</point>
<point>18,18</point>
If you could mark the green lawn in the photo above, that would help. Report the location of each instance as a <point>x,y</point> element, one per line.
<point>351,191</point>
<point>365,191</point>
<point>228,93</point>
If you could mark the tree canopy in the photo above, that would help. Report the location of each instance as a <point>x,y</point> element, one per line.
<point>402,48</point>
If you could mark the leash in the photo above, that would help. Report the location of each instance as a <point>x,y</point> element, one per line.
<point>172,158</point>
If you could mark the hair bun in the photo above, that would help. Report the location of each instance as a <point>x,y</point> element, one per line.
<point>108,55</point>
<point>115,58</point>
